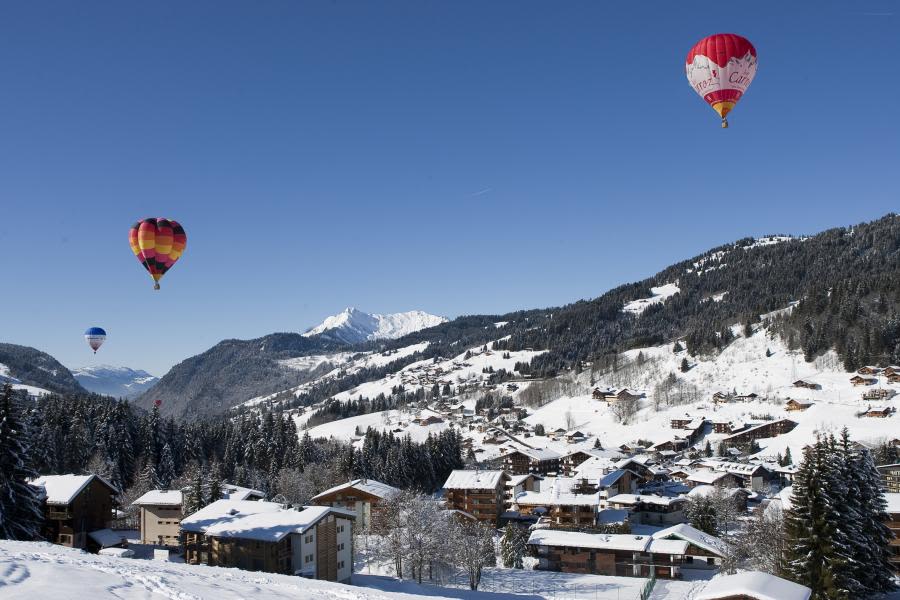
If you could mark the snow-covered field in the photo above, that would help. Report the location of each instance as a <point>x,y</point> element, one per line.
<point>660,295</point>
<point>6,377</point>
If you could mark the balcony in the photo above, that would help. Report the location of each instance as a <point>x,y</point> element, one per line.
<point>58,514</point>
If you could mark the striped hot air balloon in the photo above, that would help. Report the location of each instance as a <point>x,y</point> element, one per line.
<point>720,68</point>
<point>157,244</point>
<point>95,336</point>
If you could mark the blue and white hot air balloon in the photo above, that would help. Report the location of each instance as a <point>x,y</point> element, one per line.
<point>95,337</point>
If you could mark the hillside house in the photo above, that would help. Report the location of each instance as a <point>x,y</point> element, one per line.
<point>681,422</point>
<point>562,501</point>
<point>598,394</point>
<point>650,509</point>
<point>746,397</point>
<point>860,380</point>
<point>758,432</point>
<point>868,370</point>
<point>531,460</point>
<point>753,585</point>
<point>479,493</point>
<point>569,463</point>
<point>364,497</point>
<point>878,394</point>
<point>716,478</point>
<point>893,523</point>
<point>890,477</point>
<point>518,484</point>
<point>619,481</point>
<point>623,395</point>
<point>723,427</point>
<point>891,370</point>
<point>720,397</point>
<point>160,517</point>
<point>607,554</point>
<point>879,412</point>
<point>316,542</point>
<point>704,551</point>
<point>797,405</point>
<point>804,383</point>
<point>74,506</point>
<point>575,437</point>
<point>893,378</point>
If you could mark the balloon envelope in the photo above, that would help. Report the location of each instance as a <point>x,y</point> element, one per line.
<point>157,244</point>
<point>95,337</point>
<point>720,68</point>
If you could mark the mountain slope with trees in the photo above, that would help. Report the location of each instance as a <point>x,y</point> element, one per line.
<point>33,367</point>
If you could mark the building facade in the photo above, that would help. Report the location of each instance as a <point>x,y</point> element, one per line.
<point>482,494</point>
<point>160,517</point>
<point>74,506</point>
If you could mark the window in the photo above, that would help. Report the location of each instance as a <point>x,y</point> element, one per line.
<point>308,558</point>
<point>308,539</point>
<point>710,561</point>
<point>341,565</point>
<point>340,547</point>
<point>340,529</point>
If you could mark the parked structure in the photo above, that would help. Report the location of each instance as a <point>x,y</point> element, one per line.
<point>316,542</point>
<point>365,497</point>
<point>479,493</point>
<point>75,506</point>
<point>160,517</point>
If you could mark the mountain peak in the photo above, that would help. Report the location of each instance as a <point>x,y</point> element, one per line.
<point>352,325</point>
<point>121,382</point>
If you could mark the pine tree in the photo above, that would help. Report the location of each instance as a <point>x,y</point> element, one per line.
<point>707,450</point>
<point>685,365</point>
<point>512,547</point>
<point>701,513</point>
<point>874,564</point>
<point>195,498</point>
<point>166,471</point>
<point>787,460</point>
<point>20,507</point>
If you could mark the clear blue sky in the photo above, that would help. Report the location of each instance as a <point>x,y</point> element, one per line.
<point>455,157</point>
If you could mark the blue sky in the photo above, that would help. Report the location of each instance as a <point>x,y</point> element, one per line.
<point>455,157</point>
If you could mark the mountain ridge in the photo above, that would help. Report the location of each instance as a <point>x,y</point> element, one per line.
<point>119,382</point>
<point>353,326</point>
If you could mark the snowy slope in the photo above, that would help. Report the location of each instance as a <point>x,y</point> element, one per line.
<point>120,382</point>
<point>353,326</point>
<point>660,295</point>
<point>6,377</point>
<point>39,570</point>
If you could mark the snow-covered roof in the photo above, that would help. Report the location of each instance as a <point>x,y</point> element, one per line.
<point>62,489</point>
<point>685,532</point>
<point>610,478</point>
<point>707,476</point>
<point>644,499</point>
<point>604,541</point>
<point>753,584</point>
<point>369,486</point>
<point>107,537</point>
<point>539,453</point>
<point>515,480</point>
<point>254,519</point>
<point>160,498</point>
<point>613,515</point>
<point>893,503</point>
<point>463,479</point>
<point>706,490</point>
<point>236,492</point>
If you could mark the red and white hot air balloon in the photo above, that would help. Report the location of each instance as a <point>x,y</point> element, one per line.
<point>720,68</point>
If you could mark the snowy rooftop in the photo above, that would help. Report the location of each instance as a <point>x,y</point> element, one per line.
<point>253,519</point>
<point>539,453</point>
<point>706,490</point>
<point>369,486</point>
<point>753,584</point>
<point>515,480</point>
<point>62,489</point>
<point>160,498</point>
<point>707,476</point>
<point>644,499</point>
<point>632,543</point>
<point>462,479</point>
<point>236,492</point>
<point>685,532</point>
<point>893,503</point>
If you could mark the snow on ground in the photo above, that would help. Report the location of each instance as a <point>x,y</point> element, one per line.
<point>389,420</point>
<point>660,295</point>
<point>6,377</point>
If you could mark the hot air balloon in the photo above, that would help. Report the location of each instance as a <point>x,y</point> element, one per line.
<point>95,337</point>
<point>157,244</point>
<point>720,68</point>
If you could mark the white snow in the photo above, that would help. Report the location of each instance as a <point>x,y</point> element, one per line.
<point>369,486</point>
<point>61,489</point>
<point>685,532</point>
<point>660,295</point>
<point>16,384</point>
<point>160,498</point>
<point>253,520</point>
<point>753,584</point>
<point>353,326</point>
<point>473,480</point>
<point>893,503</point>
<point>625,542</point>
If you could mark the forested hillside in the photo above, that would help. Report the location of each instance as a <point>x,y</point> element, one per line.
<point>36,368</point>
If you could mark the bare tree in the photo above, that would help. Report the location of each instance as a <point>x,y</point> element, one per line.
<point>570,420</point>
<point>472,547</point>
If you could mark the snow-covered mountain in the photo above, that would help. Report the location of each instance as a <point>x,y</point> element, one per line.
<point>120,382</point>
<point>353,326</point>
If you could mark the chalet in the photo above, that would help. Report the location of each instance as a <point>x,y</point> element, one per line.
<point>809,385</point>
<point>429,420</point>
<point>160,517</point>
<point>669,446</point>
<point>236,492</point>
<point>797,405</point>
<point>723,427</point>
<point>753,585</point>
<point>640,468</point>
<point>860,380</point>
<point>575,437</point>
<point>598,394</point>
<point>650,509</point>
<point>893,378</point>
<point>752,476</point>
<point>758,432</point>
<point>893,523</point>
<point>704,551</point>
<point>746,397</point>
<point>868,370</point>
<point>365,497</point>
<point>563,501</point>
<point>624,394</point>
<point>720,397</point>
<point>74,506</point>
<point>695,429</point>
<point>316,542</point>
<point>568,463</point>
<point>558,433</point>
<point>786,474</point>
<point>717,478</point>
<point>891,370</point>
<point>480,493</point>
<point>890,477</point>
<point>878,394</point>
<point>620,481</point>
<point>607,554</point>
<point>517,484</point>
<point>531,460</point>
<point>737,495</point>
<point>879,412</point>
<point>681,422</point>
<point>680,474</point>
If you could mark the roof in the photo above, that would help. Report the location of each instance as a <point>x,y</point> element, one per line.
<point>160,498</point>
<point>610,478</point>
<point>538,453</point>
<point>461,479</point>
<point>604,541</point>
<point>685,532</point>
<point>644,499</point>
<point>515,480</point>
<point>755,427</point>
<point>62,489</point>
<point>707,476</point>
<point>558,491</point>
<point>236,492</point>
<point>893,503</point>
<point>754,584</point>
<point>254,519</point>
<point>369,486</point>
<point>107,537</point>
<point>705,490</point>
<point>612,515</point>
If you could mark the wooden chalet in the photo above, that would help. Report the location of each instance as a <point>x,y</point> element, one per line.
<point>364,497</point>
<point>893,378</point>
<point>893,523</point>
<point>797,405</point>
<point>568,463</point>
<point>758,432</point>
<point>891,370</point>
<point>712,477</point>
<point>531,460</point>
<point>857,380</point>
<point>720,397</point>
<point>878,394</point>
<point>479,493</point>
<point>624,394</point>
<point>809,385</point>
<point>890,477</point>
<point>704,551</point>
<point>598,394</point>
<point>564,501</point>
<point>607,554</point>
<point>880,412</point>
<point>868,370</point>
<point>74,507</point>
<point>746,397</point>
<point>681,422</point>
<point>650,509</point>
<point>723,427</point>
<point>254,535</point>
<point>518,484</point>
